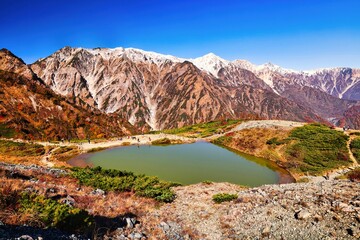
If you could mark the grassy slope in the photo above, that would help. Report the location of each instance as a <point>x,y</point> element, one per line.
<point>355,148</point>
<point>20,149</point>
<point>310,149</point>
<point>203,129</point>
<point>18,152</point>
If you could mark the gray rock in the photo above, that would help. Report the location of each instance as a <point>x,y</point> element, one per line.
<point>130,222</point>
<point>138,235</point>
<point>318,218</point>
<point>302,214</point>
<point>70,201</point>
<point>266,231</point>
<point>25,237</point>
<point>98,191</point>
<point>165,226</point>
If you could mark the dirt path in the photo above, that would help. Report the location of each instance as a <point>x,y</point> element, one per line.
<point>338,172</point>
<point>267,124</point>
<point>46,157</point>
<point>260,124</point>
<point>351,137</point>
<point>133,140</point>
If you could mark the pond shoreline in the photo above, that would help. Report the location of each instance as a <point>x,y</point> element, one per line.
<point>283,175</point>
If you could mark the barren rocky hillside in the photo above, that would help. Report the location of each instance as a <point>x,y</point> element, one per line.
<point>161,91</point>
<point>30,110</point>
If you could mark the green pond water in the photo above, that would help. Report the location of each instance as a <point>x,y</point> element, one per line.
<point>190,163</point>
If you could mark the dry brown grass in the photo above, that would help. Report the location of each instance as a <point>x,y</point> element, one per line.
<point>61,155</point>
<point>253,141</point>
<point>110,205</point>
<point>21,160</point>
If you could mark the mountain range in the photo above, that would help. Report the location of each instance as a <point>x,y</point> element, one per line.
<point>156,91</point>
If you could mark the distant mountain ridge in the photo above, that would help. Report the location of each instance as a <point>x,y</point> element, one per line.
<point>163,91</point>
<point>157,91</point>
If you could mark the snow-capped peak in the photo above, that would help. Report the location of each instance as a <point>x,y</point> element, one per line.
<point>274,68</point>
<point>244,64</point>
<point>138,54</point>
<point>134,54</point>
<point>210,63</point>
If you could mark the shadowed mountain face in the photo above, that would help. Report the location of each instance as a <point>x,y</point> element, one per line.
<point>31,110</point>
<point>163,91</point>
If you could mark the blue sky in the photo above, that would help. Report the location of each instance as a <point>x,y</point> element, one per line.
<point>298,34</point>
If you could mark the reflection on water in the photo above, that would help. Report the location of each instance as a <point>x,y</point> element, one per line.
<point>189,163</point>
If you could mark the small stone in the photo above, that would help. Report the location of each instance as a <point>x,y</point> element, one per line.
<point>130,222</point>
<point>356,203</point>
<point>266,231</point>
<point>343,205</point>
<point>303,214</point>
<point>165,226</point>
<point>138,235</point>
<point>70,201</point>
<point>318,218</point>
<point>98,191</point>
<point>348,209</point>
<point>25,237</point>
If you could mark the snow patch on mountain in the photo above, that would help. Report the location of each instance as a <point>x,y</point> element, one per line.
<point>275,68</point>
<point>135,55</point>
<point>210,63</point>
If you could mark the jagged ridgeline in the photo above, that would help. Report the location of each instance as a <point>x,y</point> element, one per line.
<point>31,110</point>
<point>167,92</point>
<point>78,92</point>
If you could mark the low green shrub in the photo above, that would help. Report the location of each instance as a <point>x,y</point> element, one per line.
<point>161,141</point>
<point>6,132</point>
<point>54,214</point>
<point>315,148</point>
<point>224,197</point>
<point>355,148</point>
<point>354,175</point>
<point>64,149</point>
<point>223,140</point>
<point>21,149</point>
<point>116,180</point>
<point>207,182</point>
<point>275,141</point>
<point>98,149</point>
<point>204,129</point>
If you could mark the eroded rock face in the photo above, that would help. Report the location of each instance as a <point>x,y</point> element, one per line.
<point>163,91</point>
<point>29,109</point>
<point>10,63</point>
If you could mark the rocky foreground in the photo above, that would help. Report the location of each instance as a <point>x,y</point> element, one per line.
<point>324,210</point>
<point>329,209</point>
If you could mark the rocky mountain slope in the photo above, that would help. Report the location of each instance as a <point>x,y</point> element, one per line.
<point>327,92</point>
<point>163,91</point>
<point>30,110</point>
